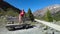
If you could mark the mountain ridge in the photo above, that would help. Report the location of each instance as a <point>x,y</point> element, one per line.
<point>4,5</point>
<point>53,9</point>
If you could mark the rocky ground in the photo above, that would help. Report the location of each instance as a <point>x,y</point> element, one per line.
<point>56,22</point>
<point>39,29</point>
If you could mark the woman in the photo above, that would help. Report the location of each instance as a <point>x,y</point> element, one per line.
<point>21,15</point>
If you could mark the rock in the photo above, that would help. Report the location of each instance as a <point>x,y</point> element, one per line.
<point>19,27</point>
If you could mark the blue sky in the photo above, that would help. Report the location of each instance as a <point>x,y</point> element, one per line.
<point>32,4</point>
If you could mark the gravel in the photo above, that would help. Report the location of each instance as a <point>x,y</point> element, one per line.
<point>39,29</point>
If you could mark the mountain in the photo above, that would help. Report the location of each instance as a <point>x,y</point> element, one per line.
<point>53,9</point>
<point>57,16</point>
<point>5,5</point>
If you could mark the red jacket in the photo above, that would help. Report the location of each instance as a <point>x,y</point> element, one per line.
<point>22,13</point>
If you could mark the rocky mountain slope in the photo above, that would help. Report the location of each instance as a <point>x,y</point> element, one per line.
<point>5,5</point>
<point>53,9</point>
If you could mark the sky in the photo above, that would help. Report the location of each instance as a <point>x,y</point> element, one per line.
<point>32,4</point>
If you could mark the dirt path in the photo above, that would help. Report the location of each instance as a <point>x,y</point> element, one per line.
<point>54,26</point>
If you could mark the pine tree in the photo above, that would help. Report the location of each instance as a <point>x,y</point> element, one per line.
<point>30,15</point>
<point>48,16</point>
